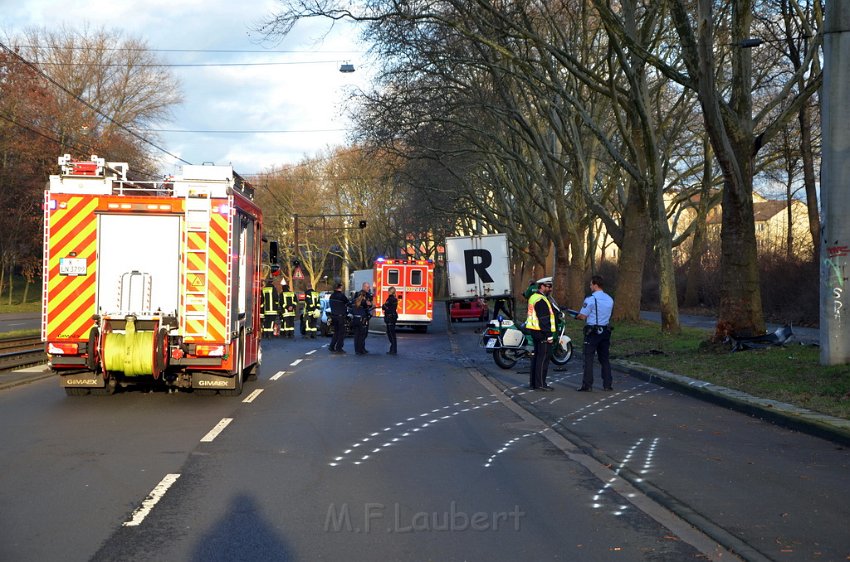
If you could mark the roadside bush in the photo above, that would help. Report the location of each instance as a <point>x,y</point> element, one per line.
<point>789,289</point>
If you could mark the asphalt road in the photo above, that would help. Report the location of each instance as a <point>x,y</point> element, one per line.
<point>378,457</point>
<point>768,493</point>
<point>20,321</point>
<point>434,454</point>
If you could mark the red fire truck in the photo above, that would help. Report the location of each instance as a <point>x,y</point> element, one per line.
<point>414,284</point>
<point>151,282</point>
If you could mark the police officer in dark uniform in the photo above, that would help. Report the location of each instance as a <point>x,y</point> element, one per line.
<point>339,310</point>
<point>362,311</point>
<point>390,308</point>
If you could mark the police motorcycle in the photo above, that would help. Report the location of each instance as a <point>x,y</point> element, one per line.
<point>509,342</point>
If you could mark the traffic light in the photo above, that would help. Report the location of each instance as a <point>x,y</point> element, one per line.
<point>296,263</point>
<point>361,224</point>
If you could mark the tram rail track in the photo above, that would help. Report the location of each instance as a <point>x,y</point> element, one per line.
<point>16,353</point>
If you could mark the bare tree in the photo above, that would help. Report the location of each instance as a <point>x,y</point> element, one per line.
<point>110,89</point>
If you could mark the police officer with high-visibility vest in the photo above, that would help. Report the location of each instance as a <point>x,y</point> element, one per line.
<point>271,310</point>
<point>288,315</point>
<point>541,323</point>
<point>311,314</point>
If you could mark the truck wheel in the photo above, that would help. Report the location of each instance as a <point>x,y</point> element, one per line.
<point>93,359</point>
<point>505,358</point>
<point>160,353</point>
<point>240,367</point>
<point>561,355</point>
<point>108,390</point>
<point>253,372</point>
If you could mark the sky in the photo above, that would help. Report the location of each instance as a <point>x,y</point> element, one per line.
<point>305,97</point>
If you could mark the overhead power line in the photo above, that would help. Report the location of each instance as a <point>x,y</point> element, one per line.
<point>33,130</point>
<point>185,65</point>
<point>245,132</point>
<point>87,104</point>
<point>77,144</point>
<point>140,49</point>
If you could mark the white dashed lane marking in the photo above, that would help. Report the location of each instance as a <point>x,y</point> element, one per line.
<point>209,437</point>
<point>152,499</point>
<point>252,396</point>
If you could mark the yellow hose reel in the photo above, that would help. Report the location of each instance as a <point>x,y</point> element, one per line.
<point>131,352</point>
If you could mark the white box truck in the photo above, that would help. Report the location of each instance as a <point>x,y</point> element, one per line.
<point>478,266</point>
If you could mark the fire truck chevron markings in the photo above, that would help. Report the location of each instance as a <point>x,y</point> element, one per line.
<point>152,499</point>
<point>208,438</point>
<point>252,396</point>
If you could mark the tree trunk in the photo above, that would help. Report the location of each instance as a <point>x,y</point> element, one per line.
<point>11,282</point>
<point>740,294</point>
<point>698,242</point>
<point>562,271</point>
<point>663,245</point>
<point>632,257</point>
<point>576,279</point>
<point>809,177</point>
<point>693,281</point>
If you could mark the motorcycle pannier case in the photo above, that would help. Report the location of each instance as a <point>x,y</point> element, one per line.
<point>512,338</point>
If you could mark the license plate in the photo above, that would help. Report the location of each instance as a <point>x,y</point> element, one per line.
<point>491,343</point>
<point>72,266</point>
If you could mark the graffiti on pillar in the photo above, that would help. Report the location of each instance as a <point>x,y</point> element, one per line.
<point>835,262</point>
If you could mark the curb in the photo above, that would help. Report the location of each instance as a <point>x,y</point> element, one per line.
<point>726,539</point>
<point>782,414</point>
<point>18,379</point>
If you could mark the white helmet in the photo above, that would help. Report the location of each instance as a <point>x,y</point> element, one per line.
<point>545,280</point>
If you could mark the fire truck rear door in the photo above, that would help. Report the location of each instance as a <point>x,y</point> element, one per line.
<point>146,244</point>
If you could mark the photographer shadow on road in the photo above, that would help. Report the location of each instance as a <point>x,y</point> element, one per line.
<point>242,534</point>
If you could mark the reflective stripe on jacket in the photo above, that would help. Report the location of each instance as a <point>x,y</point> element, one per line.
<point>289,300</point>
<point>532,322</point>
<point>311,300</point>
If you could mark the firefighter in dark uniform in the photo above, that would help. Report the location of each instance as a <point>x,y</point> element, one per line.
<point>339,310</point>
<point>310,316</point>
<point>288,314</point>
<point>271,310</point>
